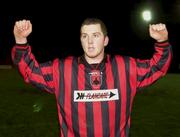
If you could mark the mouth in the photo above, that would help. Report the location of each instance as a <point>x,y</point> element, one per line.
<point>91,49</point>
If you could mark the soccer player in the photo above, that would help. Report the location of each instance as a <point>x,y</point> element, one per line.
<point>95,91</point>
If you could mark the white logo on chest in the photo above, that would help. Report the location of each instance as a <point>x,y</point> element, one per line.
<point>95,95</point>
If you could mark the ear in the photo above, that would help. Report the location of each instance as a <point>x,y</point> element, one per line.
<point>106,41</point>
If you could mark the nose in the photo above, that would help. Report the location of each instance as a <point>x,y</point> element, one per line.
<point>90,40</point>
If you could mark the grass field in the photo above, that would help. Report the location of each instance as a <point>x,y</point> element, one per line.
<point>27,112</point>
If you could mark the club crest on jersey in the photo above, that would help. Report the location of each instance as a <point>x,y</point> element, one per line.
<point>95,79</point>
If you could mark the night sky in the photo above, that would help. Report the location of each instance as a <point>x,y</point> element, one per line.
<point>56,30</point>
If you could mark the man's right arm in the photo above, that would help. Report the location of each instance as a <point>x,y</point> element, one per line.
<point>40,75</point>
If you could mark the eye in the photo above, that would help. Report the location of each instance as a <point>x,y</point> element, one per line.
<point>84,36</point>
<point>96,35</point>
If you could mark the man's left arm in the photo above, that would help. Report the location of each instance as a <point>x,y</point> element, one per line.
<point>148,71</point>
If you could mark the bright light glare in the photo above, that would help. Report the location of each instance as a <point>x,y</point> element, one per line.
<point>146,15</point>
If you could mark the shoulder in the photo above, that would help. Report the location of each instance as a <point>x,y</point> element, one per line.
<point>121,58</point>
<point>66,59</point>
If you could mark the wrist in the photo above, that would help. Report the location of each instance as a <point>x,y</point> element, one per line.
<point>162,40</point>
<point>21,40</point>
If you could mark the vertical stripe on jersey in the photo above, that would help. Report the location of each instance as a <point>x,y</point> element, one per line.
<point>117,102</point>
<point>133,82</point>
<point>128,93</point>
<point>61,99</point>
<point>122,76</point>
<point>74,108</point>
<point>81,105</point>
<point>56,76</point>
<point>97,114</point>
<point>89,107</point>
<point>105,108</point>
<point>111,104</point>
<point>68,93</point>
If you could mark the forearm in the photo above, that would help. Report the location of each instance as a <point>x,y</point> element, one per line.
<point>162,57</point>
<point>32,72</point>
<point>18,53</point>
<point>148,71</point>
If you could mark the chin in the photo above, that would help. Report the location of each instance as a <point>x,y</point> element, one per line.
<point>91,55</point>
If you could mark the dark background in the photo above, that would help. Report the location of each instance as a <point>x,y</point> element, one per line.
<point>56,27</point>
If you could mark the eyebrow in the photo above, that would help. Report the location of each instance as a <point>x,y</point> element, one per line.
<point>93,33</point>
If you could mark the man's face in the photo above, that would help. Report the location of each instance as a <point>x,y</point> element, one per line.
<point>93,40</point>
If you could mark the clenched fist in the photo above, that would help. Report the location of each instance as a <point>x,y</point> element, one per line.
<point>158,32</point>
<point>22,29</point>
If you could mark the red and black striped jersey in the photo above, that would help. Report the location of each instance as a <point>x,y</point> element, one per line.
<point>93,100</point>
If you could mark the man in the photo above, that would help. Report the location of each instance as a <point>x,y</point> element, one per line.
<point>94,92</point>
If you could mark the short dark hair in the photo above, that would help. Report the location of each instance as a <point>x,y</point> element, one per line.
<point>89,21</point>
